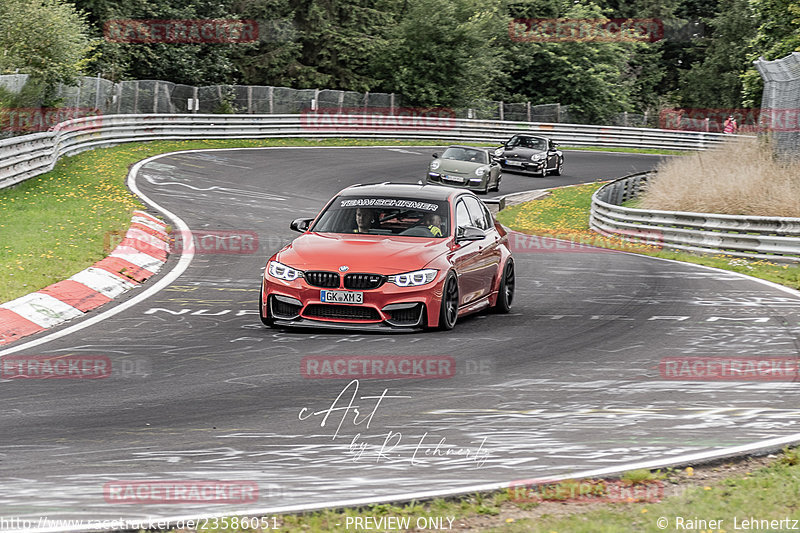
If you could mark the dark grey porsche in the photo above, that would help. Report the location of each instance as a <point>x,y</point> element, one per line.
<point>528,153</point>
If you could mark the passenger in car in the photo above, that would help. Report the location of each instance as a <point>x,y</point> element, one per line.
<point>434,224</point>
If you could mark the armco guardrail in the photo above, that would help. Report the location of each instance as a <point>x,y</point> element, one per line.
<point>773,238</point>
<point>27,156</point>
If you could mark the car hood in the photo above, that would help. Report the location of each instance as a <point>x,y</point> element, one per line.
<point>453,166</point>
<point>378,254</point>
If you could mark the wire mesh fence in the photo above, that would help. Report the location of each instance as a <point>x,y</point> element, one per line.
<point>780,104</point>
<point>98,96</point>
<point>13,82</point>
<point>155,96</point>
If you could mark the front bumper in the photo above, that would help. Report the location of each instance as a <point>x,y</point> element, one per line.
<point>299,304</point>
<point>522,165</point>
<point>477,183</point>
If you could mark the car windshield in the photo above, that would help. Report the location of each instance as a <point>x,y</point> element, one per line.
<point>465,154</point>
<point>385,216</point>
<point>529,142</point>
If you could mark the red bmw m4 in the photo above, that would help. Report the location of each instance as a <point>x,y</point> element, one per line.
<point>390,256</point>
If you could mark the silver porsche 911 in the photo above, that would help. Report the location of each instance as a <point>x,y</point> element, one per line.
<point>466,167</point>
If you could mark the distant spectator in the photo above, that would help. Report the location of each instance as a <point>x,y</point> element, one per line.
<point>730,125</point>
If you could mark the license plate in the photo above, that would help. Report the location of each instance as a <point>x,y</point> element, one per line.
<point>514,163</point>
<point>457,179</point>
<point>342,297</point>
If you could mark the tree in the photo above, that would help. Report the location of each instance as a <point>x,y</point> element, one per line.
<point>596,78</point>
<point>777,36</point>
<point>173,60</point>
<point>444,52</point>
<point>716,82</point>
<point>340,41</point>
<point>275,59</point>
<point>779,27</point>
<point>47,39</point>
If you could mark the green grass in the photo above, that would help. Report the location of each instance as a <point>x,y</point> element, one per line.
<point>768,494</point>
<point>565,214</point>
<point>641,475</point>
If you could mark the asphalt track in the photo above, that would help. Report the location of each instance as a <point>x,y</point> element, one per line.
<point>567,383</point>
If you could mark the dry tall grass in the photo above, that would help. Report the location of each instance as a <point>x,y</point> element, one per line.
<point>739,178</point>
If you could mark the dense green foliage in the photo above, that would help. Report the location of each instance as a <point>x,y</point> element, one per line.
<point>432,52</point>
<point>47,39</point>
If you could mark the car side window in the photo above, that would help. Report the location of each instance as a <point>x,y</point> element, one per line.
<point>487,216</point>
<point>477,216</point>
<point>462,216</point>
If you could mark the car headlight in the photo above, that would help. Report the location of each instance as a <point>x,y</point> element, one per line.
<point>537,157</point>
<point>281,271</point>
<point>480,171</point>
<point>500,151</point>
<point>415,278</point>
<point>435,165</point>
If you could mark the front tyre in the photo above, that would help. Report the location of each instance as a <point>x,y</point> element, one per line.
<point>560,168</point>
<point>497,183</point>
<point>505,296</point>
<point>448,313</point>
<point>267,321</point>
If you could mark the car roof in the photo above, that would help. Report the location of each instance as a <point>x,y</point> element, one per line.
<point>527,136</point>
<point>468,147</point>
<point>407,190</point>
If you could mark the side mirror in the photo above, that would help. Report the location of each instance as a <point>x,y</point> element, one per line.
<point>470,233</point>
<point>301,224</point>
<point>436,156</point>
